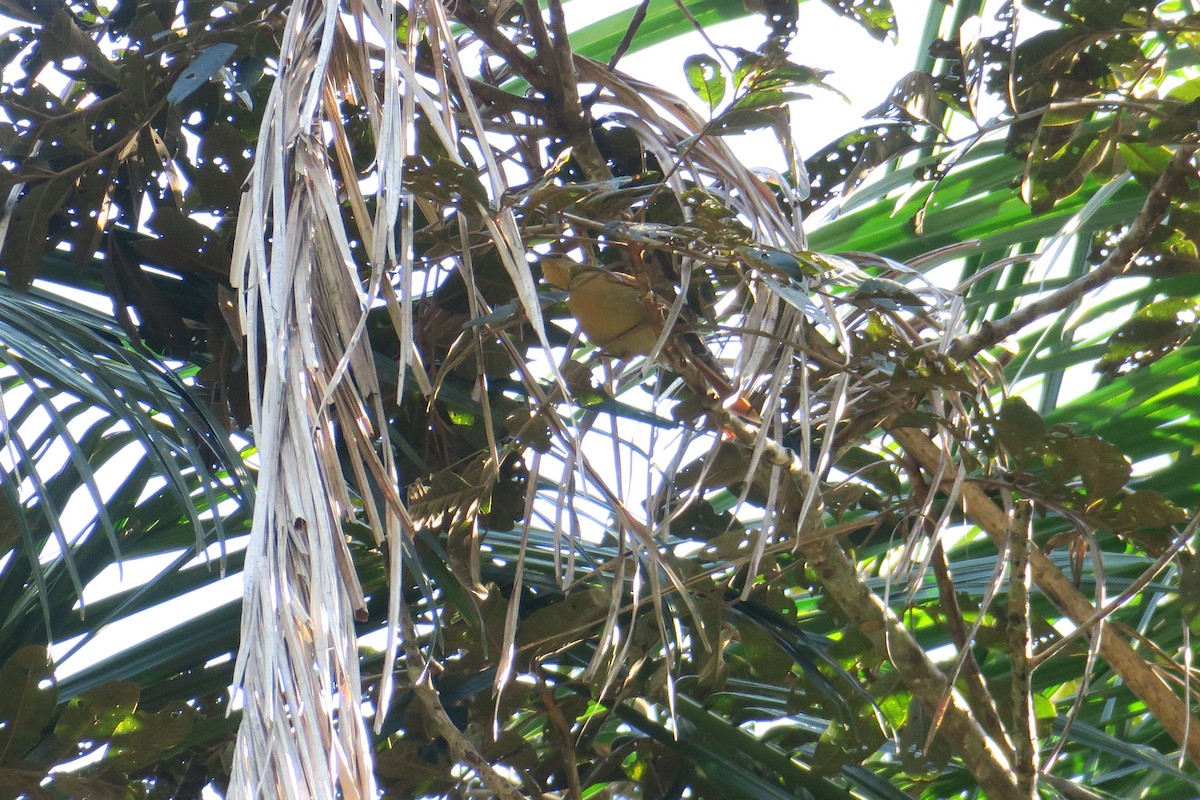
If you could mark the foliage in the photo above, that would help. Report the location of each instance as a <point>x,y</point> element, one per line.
<point>812,381</point>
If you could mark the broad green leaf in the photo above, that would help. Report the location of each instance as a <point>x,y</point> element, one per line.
<point>707,79</point>
<point>27,699</point>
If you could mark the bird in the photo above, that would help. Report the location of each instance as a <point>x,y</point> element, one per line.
<point>612,310</point>
<point>625,319</point>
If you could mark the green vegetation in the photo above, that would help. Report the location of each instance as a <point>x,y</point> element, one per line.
<point>874,478</point>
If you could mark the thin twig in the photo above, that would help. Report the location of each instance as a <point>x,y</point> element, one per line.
<point>435,713</point>
<point>639,16</point>
<point>1157,203</point>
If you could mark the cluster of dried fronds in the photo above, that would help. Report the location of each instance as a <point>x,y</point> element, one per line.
<point>792,333</point>
<point>778,360</point>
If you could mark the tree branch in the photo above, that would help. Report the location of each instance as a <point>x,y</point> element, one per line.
<point>1140,677</point>
<point>1020,650</point>
<point>482,26</point>
<point>435,713</point>
<point>1157,203</point>
<point>841,582</point>
<point>978,695</point>
<point>983,756</point>
<point>562,91</point>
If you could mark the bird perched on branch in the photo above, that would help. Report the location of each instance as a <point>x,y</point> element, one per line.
<point>612,309</point>
<point>622,315</point>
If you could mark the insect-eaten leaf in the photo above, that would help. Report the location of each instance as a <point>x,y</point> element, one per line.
<point>27,699</point>
<point>206,65</point>
<point>1153,332</point>
<point>28,233</point>
<point>706,78</point>
<point>843,164</point>
<point>1019,429</point>
<point>443,181</point>
<point>875,16</point>
<point>1101,465</point>
<point>1057,172</point>
<point>1143,516</point>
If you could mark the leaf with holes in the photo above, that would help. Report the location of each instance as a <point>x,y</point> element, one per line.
<point>206,65</point>
<point>28,234</point>
<point>1153,332</point>
<point>1100,464</point>
<point>706,78</point>
<point>875,16</point>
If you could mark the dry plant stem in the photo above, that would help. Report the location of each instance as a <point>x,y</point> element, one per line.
<point>435,713</point>
<point>978,695</point>
<point>1020,649</point>
<point>1118,260</point>
<point>563,731</point>
<point>839,578</point>
<point>563,94</point>
<point>1139,676</point>
<point>479,24</point>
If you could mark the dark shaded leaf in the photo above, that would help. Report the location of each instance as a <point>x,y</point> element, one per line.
<point>1019,428</point>
<point>28,238</point>
<point>207,64</point>
<point>1145,509</point>
<point>1153,332</point>
<point>27,699</point>
<point>1100,464</point>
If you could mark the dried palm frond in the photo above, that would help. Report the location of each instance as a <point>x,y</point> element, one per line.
<point>791,343</point>
<point>313,390</point>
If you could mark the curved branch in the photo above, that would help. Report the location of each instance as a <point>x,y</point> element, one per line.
<point>1139,676</point>
<point>839,578</point>
<point>1157,203</point>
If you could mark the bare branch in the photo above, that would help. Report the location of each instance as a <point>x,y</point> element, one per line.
<point>1157,203</point>
<point>1140,676</point>
<point>1020,650</point>
<point>562,89</point>
<point>513,56</point>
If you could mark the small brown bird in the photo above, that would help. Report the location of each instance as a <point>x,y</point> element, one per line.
<point>625,320</point>
<point>614,312</point>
